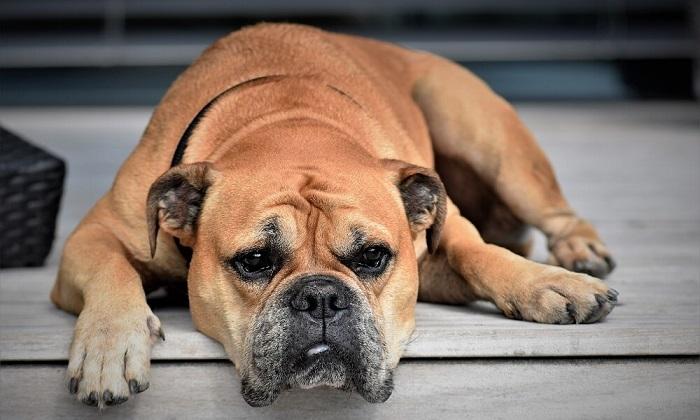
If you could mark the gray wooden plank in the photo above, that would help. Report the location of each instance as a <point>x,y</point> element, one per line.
<point>541,389</point>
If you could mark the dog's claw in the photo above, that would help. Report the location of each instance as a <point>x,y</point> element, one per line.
<point>73,385</point>
<point>110,399</point>
<point>602,302</point>
<point>571,310</point>
<point>612,295</point>
<point>591,268</point>
<point>610,262</point>
<point>161,334</point>
<point>135,387</point>
<point>107,397</point>
<point>91,399</point>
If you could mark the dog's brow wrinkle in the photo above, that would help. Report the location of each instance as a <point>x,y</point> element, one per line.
<point>328,201</point>
<point>313,226</point>
<point>287,198</point>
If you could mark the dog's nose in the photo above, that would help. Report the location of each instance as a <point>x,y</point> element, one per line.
<point>320,297</point>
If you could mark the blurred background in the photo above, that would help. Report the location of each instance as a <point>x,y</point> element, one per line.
<point>608,87</point>
<point>126,52</point>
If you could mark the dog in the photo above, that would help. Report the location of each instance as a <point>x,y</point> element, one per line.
<point>309,188</point>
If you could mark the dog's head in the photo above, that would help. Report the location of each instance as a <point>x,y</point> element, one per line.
<point>303,261</point>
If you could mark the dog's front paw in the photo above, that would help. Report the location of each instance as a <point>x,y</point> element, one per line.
<point>557,296</point>
<point>580,250</point>
<point>110,355</point>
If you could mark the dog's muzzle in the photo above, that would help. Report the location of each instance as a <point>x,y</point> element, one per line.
<point>318,331</point>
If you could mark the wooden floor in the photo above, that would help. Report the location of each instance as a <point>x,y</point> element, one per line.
<point>631,168</point>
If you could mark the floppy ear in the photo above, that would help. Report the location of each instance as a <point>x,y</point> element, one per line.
<point>424,198</point>
<point>175,200</point>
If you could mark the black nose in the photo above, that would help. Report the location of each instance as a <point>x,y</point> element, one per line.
<point>320,297</point>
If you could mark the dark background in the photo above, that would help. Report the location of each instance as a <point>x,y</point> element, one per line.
<point>126,52</point>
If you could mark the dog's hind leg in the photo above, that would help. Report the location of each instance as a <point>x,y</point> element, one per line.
<point>110,354</point>
<point>472,126</point>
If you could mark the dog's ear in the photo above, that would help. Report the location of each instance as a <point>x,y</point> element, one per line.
<point>424,198</point>
<point>175,200</point>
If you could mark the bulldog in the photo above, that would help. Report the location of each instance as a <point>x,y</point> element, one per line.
<point>309,188</point>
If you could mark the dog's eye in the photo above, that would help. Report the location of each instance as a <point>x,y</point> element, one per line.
<point>255,261</point>
<point>370,262</point>
<point>372,257</point>
<point>254,264</point>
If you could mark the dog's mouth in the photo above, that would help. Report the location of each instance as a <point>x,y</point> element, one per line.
<point>286,353</point>
<point>321,365</point>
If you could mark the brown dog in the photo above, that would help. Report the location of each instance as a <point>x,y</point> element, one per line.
<point>286,176</point>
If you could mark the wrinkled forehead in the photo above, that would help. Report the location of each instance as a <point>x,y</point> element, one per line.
<point>294,206</point>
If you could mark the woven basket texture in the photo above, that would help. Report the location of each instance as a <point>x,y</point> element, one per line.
<point>31,184</point>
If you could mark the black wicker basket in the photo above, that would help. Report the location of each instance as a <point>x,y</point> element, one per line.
<point>31,183</point>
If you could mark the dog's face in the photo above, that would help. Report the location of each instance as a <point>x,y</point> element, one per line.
<point>304,265</point>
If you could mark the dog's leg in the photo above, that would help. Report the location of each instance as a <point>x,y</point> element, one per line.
<point>520,288</point>
<point>472,125</point>
<point>482,207</point>
<point>110,354</point>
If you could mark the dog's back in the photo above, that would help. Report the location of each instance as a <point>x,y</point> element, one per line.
<point>377,74</point>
